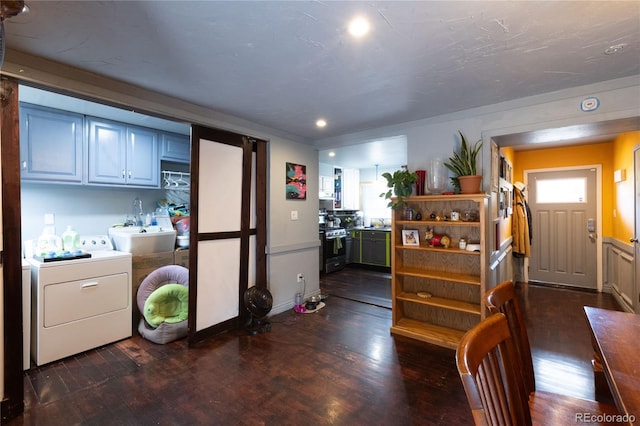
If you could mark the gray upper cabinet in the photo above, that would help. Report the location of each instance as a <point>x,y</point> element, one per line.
<point>175,147</point>
<point>107,151</point>
<point>50,145</point>
<point>143,160</point>
<point>121,154</point>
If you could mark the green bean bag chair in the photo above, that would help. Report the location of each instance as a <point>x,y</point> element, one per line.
<point>163,301</point>
<point>169,303</point>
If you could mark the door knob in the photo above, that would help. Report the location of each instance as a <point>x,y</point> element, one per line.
<point>633,240</point>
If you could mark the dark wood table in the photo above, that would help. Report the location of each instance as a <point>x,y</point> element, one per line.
<point>616,340</point>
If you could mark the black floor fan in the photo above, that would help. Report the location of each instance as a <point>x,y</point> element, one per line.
<point>258,301</point>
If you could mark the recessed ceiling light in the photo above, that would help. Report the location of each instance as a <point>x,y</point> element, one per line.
<point>321,123</point>
<point>616,48</point>
<point>332,154</point>
<point>358,27</point>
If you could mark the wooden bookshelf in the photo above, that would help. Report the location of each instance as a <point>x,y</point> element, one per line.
<point>437,291</point>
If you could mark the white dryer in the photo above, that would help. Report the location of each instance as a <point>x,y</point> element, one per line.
<point>80,303</point>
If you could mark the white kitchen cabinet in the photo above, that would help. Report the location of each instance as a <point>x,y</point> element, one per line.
<point>120,154</point>
<point>326,188</point>
<point>175,147</point>
<point>50,144</point>
<point>350,189</point>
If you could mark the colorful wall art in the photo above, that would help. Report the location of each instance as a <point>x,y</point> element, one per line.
<point>296,188</point>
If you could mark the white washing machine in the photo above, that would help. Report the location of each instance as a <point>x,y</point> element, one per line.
<point>80,303</point>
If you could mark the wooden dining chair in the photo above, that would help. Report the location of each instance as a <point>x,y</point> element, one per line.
<point>487,364</point>
<point>489,369</point>
<point>502,298</point>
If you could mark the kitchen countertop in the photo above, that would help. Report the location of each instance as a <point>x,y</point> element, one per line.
<point>362,228</point>
<point>370,228</point>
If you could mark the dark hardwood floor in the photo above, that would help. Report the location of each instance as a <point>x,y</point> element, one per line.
<point>360,284</point>
<point>338,366</point>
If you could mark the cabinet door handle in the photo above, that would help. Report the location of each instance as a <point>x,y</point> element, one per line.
<point>123,174</point>
<point>24,165</point>
<point>89,284</point>
<point>130,174</point>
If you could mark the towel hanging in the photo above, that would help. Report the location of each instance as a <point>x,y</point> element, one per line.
<point>337,245</point>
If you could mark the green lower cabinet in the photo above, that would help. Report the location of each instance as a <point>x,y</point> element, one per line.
<point>376,248</point>
<point>355,256</point>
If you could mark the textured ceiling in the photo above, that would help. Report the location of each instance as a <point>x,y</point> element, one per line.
<point>284,64</point>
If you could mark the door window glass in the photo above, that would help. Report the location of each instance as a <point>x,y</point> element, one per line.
<point>569,190</point>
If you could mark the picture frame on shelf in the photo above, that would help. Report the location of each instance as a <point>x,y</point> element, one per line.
<point>410,237</point>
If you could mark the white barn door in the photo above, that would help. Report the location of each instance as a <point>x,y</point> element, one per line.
<point>227,228</point>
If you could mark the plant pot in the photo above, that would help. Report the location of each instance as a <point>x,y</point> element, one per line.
<point>470,184</point>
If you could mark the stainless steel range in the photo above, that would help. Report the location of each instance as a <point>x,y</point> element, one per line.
<point>333,249</point>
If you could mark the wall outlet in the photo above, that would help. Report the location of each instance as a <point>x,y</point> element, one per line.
<point>300,277</point>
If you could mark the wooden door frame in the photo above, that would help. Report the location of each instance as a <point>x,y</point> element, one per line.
<point>599,254</point>
<point>636,231</point>
<point>12,405</point>
<point>13,401</point>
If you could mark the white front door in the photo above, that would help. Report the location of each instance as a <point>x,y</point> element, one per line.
<point>565,227</point>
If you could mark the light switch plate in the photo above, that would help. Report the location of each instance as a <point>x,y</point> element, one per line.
<point>294,214</point>
<point>49,219</point>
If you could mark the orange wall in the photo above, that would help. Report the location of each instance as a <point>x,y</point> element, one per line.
<point>623,199</point>
<point>577,155</point>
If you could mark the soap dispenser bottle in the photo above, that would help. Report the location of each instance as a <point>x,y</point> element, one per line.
<point>137,212</point>
<point>70,239</point>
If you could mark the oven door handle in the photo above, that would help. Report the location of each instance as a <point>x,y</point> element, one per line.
<point>334,237</point>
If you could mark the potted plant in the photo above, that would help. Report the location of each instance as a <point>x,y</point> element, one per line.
<point>400,184</point>
<point>463,165</point>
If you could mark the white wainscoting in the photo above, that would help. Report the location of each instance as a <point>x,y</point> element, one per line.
<point>618,273</point>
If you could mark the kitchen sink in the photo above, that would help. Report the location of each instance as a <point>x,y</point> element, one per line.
<point>139,240</point>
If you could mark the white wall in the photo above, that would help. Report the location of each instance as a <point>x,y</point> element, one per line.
<point>438,136</point>
<point>293,245</point>
<point>90,210</point>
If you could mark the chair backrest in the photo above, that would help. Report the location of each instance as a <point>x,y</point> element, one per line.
<point>488,368</point>
<point>502,298</point>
